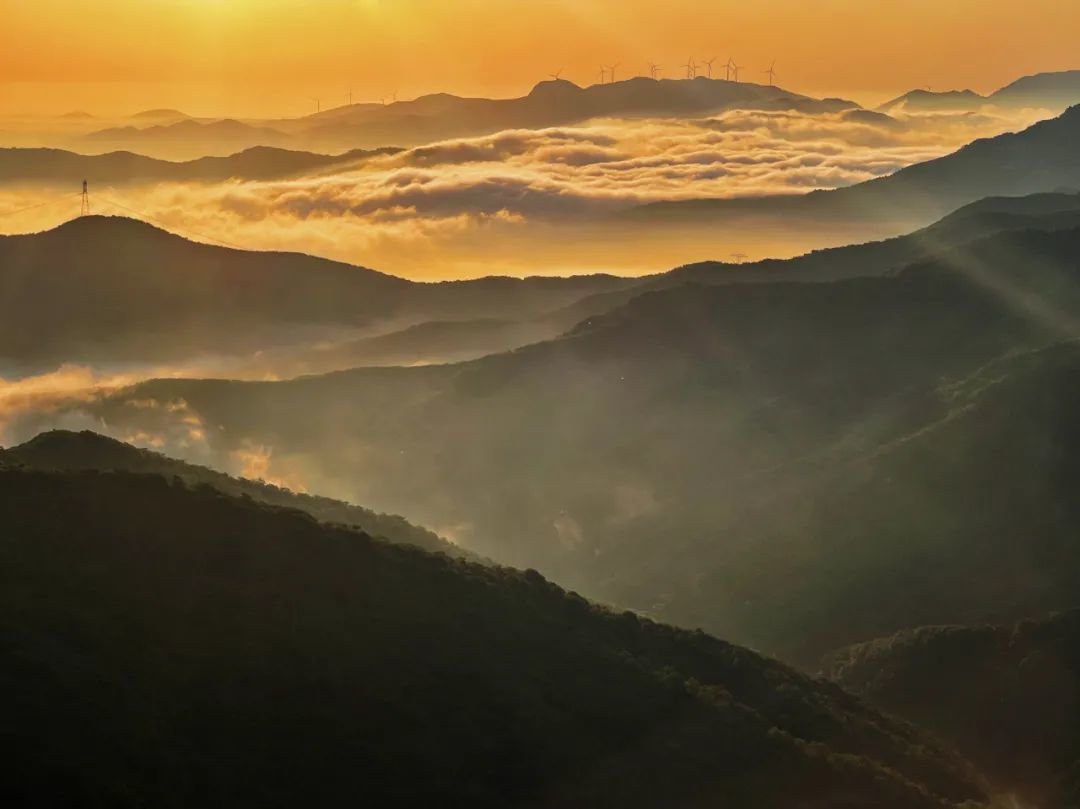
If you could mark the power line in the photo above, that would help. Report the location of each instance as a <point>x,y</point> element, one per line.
<point>170,227</point>
<point>35,207</point>
<point>187,232</point>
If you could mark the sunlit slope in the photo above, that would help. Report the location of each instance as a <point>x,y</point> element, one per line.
<point>173,647</point>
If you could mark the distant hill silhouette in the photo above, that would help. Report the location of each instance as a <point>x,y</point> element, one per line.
<point>115,288</point>
<point>172,646</point>
<point>256,163</point>
<point>188,138</point>
<point>552,103</point>
<point>1054,91</point>
<point>1039,159</point>
<point>441,115</point>
<point>66,451</point>
<point>1008,696</point>
<point>160,114</point>
<point>931,101</point>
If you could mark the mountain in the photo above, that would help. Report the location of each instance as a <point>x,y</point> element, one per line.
<point>978,220</point>
<point>66,451</point>
<point>114,289</point>
<point>188,138</point>
<point>160,115</point>
<point>114,168</point>
<point>1039,159</point>
<point>430,342</point>
<point>1052,90</point>
<point>1007,695</point>
<point>550,103</point>
<point>440,116</point>
<point>749,458</point>
<point>930,101</point>
<point>173,646</point>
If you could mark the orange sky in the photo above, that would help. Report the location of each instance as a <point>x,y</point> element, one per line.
<point>271,57</point>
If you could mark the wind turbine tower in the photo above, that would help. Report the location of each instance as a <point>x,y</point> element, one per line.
<point>771,73</point>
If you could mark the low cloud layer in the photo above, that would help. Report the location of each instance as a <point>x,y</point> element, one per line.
<point>475,205</point>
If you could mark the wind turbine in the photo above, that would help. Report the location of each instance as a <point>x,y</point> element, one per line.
<point>691,68</point>
<point>727,69</point>
<point>654,69</point>
<point>708,66</point>
<point>735,68</point>
<point>555,76</point>
<point>318,104</point>
<point>771,73</point>
<point>603,72</point>
<point>611,68</point>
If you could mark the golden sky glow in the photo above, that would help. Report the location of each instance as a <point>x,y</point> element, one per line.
<point>272,57</point>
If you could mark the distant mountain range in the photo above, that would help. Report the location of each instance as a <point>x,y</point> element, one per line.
<point>187,137</point>
<point>441,116</point>
<point>1054,91</point>
<point>551,103</point>
<point>1008,696</point>
<point>115,168</point>
<point>173,646</point>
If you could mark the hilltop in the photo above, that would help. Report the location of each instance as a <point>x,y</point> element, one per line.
<point>62,450</point>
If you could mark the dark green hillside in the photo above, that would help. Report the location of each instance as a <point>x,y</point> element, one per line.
<point>177,647</point>
<point>1008,696</point>
<point>61,450</point>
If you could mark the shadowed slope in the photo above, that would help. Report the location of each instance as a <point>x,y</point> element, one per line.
<point>1009,696</point>
<point>173,647</point>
